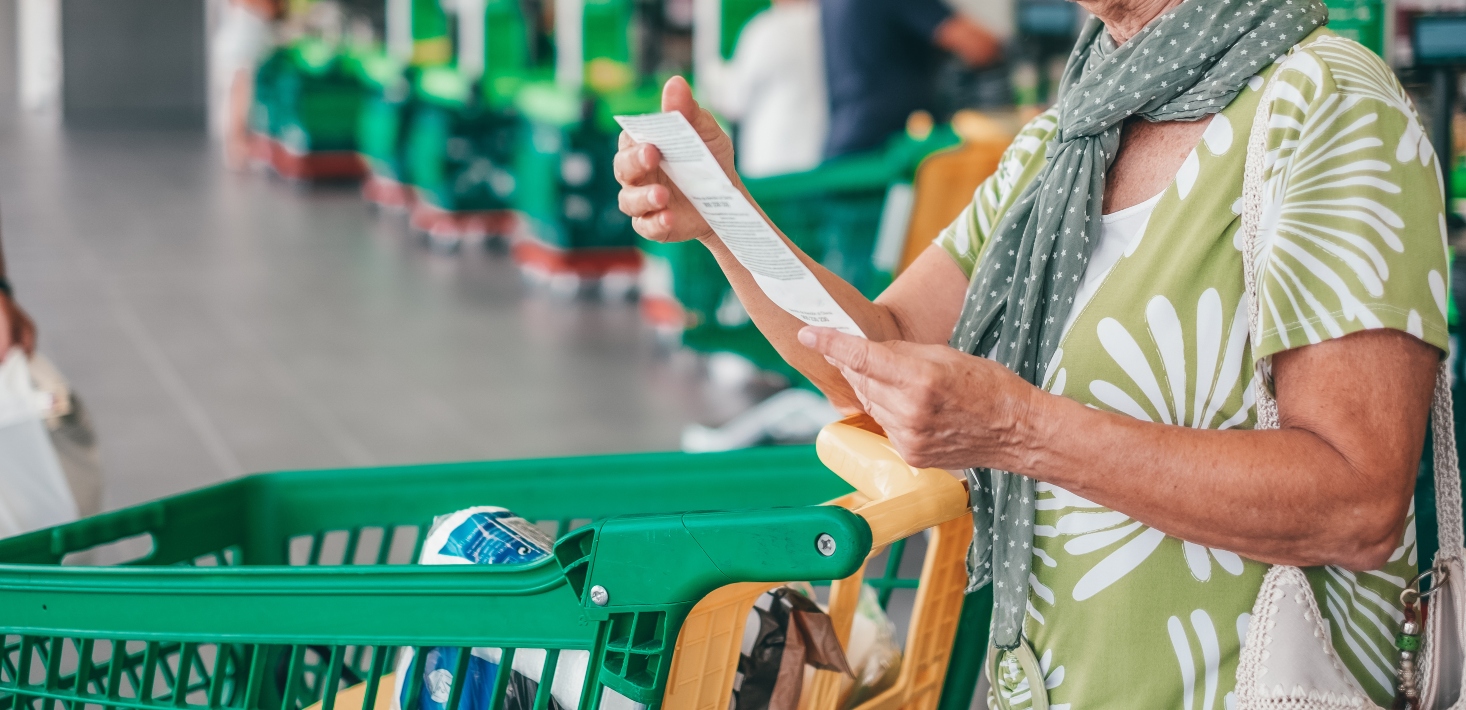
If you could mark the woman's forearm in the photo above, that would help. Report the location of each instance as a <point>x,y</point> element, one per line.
<point>1331,486</point>
<point>781,328</point>
<point>1283,497</point>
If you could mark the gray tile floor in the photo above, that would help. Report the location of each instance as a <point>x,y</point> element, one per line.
<point>218,324</point>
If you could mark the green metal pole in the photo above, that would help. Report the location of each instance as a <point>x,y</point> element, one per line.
<point>969,650</point>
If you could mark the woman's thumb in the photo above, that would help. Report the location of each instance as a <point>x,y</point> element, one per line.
<point>677,96</point>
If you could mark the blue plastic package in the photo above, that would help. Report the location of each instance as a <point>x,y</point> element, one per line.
<point>438,681</point>
<point>485,536</point>
<point>494,536</point>
<point>476,536</point>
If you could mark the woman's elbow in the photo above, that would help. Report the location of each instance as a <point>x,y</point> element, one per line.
<point>1368,557</point>
<point>1375,535</point>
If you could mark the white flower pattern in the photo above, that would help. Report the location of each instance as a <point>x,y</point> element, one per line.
<point>1219,345</point>
<point>1200,643</point>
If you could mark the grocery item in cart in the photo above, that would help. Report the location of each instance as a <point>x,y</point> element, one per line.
<point>484,535</point>
<point>483,670</point>
<point>872,650</point>
<point>487,535</point>
<point>791,632</point>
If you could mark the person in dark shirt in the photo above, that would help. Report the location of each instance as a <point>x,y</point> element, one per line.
<point>881,58</point>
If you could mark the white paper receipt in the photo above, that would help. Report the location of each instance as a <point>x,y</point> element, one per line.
<point>786,280</point>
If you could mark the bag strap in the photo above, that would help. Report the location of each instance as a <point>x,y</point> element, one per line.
<point>1447,466</point>
<point>1443,420</point>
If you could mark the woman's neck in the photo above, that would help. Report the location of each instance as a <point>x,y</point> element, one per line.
<point>1125,18</point>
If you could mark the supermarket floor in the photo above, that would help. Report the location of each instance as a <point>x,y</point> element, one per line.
<point>217,324</point>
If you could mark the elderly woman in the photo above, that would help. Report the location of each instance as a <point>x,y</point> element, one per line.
<point>1078,342</point>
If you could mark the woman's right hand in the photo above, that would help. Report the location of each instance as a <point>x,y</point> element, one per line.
<point>658,210</point>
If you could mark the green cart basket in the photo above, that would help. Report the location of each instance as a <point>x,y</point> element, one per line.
<point>304,116</point>
<point>459,159</point>
<point>279,591</point>
<point>566,195</point>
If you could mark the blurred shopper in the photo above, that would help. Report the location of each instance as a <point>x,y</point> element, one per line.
<point>881,59</point>
<point>245,34</point>
<point>775,89</point>
<point>36,490</point>
<point>16,327</point>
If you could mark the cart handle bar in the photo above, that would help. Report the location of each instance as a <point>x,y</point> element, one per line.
<point>904,499</point>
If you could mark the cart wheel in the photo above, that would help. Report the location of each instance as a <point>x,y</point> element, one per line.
<point>619,286</point>
<point>444,243</point>
<point>497,244</point>
<point>565,285</point>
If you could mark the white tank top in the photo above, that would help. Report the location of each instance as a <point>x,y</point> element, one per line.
<point>1120,233</point>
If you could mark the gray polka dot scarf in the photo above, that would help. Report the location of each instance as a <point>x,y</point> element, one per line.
<point>1187,64</point>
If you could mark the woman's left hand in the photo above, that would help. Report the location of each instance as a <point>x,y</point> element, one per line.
<point>941,408</point>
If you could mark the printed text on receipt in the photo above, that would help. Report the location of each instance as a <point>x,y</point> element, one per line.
<point>786,280</point>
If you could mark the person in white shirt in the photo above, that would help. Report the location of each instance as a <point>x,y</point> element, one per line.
<point>243,38</point>
<point>775,89</point>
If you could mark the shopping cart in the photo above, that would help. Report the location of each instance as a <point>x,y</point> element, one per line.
<point>284,590</point>
<point>307,99</point>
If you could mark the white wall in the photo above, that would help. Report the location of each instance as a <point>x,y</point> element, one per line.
<point>38,26</point>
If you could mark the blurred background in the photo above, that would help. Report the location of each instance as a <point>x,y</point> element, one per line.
<point>280,234</point>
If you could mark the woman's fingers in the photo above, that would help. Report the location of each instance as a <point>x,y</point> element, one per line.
<point>656,226</point>
<point>636,164</point>
<point>900,384</point>
<point>858,355</point>
<point>643,198</point>
<point>641,201</point>
<point>875,394</point>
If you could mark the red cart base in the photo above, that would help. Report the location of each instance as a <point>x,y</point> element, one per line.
<point>663,313</point>
<point>309,167</point>
<point>387,194</point>
<point>447,226</point>
<point>568,271</point>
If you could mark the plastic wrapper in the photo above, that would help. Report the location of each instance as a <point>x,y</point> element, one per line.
<point>493,536</point>
<point>872,651</point>
<point>786,632</point>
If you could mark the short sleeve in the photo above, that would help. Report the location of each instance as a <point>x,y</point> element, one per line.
<point>1354,232</point>
<point>920,17</point>
<point>964,238</point>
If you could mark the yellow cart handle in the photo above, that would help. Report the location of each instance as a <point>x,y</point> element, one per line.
<point>901,499</point>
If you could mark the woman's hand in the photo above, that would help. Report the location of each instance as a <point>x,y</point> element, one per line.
<point>658,210</point>
<point>941,408</point>
<point>16,328</point>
